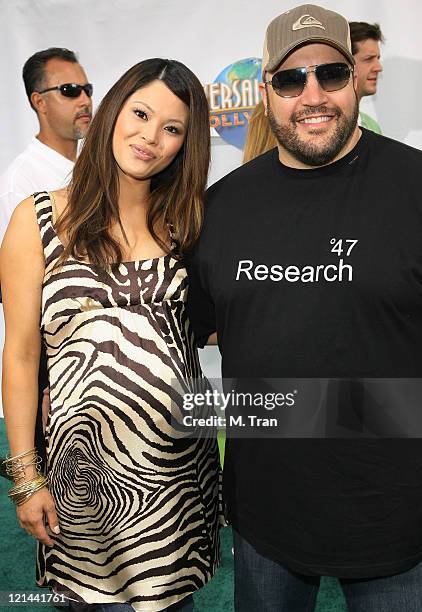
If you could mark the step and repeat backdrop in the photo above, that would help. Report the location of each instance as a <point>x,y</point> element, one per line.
<point>222,44</point>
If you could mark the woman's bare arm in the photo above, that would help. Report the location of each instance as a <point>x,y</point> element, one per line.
<point>21,274</point>
<point>212,340</point>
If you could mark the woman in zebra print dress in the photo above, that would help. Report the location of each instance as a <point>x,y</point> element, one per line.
<point>132,505</point>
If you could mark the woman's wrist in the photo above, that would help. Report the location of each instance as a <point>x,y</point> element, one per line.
<point>24,468</point>
<point>23,465</point>
<point>20,493</point>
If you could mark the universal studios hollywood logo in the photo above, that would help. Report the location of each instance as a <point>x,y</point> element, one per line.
<point>232,97</point>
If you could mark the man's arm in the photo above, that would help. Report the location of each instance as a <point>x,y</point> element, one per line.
<point>200,306</point>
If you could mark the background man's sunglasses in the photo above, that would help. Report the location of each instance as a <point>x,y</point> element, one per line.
<point>71,90</point>
<point>291,83</point>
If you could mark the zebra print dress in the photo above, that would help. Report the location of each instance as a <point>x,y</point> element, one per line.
<point>137,505</point>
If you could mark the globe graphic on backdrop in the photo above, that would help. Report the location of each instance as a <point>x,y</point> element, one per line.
<point>245,69</point>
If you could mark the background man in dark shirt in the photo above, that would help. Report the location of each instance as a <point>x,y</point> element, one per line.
<point>309,268</point>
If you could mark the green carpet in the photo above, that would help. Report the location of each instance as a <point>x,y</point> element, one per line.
<point>17,571</point>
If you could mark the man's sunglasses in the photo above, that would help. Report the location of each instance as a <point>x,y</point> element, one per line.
<point>71,90</point>
<point>291,83</point>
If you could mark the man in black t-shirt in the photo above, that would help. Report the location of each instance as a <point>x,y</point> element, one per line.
<point>309,268</point>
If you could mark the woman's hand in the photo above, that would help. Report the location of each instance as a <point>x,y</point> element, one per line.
<point>31,516</point>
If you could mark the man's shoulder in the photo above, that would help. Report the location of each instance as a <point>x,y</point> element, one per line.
<point>15,177</point>
<point>395,151</point>
<point>25,159</point>
<point>240,178</point>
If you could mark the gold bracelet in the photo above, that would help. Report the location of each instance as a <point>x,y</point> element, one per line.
<point>22,492</point>
<point>15,467</point>
<point>28,486</point>
<point>17,472</point>
<point>8,459</point>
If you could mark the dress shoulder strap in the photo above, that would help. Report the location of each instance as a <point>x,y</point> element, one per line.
<point>52,246</point>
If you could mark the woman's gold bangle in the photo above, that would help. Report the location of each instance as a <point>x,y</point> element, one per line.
<point>15,466</point>
<point>22,492</point>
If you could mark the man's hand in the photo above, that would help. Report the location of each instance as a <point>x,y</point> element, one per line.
<point>212,340</point>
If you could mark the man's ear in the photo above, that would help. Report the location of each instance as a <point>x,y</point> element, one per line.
<point>38,102</point>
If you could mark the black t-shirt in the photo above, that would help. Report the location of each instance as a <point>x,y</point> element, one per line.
<point>288,299</point>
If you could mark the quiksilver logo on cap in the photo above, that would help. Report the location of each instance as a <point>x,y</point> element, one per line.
<point>307,21</point>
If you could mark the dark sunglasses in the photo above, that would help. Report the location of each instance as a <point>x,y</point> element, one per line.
<point>291,83</point>
<point>71,90</point>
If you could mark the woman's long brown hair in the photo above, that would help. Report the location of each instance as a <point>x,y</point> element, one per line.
<point>177,192</point>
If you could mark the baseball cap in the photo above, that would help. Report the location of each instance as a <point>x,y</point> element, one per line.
<point>303,24</point>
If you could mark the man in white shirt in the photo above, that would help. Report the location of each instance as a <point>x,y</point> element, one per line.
<point>59,92</point>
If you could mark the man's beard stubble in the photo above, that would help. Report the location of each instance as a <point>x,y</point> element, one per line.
<point>80,132</point>
<point>306,152</point>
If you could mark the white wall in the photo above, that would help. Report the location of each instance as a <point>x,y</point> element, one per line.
<point>112,35</point>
